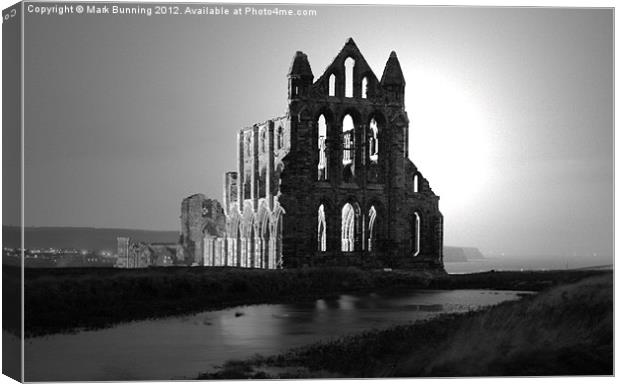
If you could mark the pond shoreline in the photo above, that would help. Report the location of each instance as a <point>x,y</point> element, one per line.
<point>565,330</point>
<point>181,347</point>
<point>73,299</point>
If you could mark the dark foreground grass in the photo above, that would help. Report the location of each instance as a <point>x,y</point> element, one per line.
<point>64,300</point>
<point>566,330</point>
<point>68,299</point>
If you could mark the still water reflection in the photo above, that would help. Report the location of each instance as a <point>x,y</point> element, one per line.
<point>181,347</point>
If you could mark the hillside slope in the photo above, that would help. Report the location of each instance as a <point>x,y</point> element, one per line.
<point>566,330</point>
<point>81,238</point>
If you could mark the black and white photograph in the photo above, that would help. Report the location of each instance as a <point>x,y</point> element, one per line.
<point>232,191</point>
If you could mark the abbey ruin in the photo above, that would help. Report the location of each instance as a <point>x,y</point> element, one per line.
<point>329,183</point>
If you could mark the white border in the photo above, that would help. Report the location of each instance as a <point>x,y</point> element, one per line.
<point>482,3</point>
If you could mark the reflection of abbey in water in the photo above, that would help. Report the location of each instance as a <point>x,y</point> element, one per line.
<point>329,183</point>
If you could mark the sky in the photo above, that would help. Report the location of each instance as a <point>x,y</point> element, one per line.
<point>510,112</point>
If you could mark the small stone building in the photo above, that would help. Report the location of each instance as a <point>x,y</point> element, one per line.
<point>329,183</point>
<point>133,254</point>
<point>200,217</point>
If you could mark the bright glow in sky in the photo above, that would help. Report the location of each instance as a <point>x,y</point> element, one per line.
<point>450,139</point>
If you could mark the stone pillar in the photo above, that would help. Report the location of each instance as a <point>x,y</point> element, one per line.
<point>270,166</point>
<point>333,220</point>
<point>258,251</point>
<point>240,173</point>
<point>243,253</point>
<point>336,144</point>
<point>255,171</point>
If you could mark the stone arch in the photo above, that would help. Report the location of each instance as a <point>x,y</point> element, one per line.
<point>350,225</point>
<point>330,120</point>
<point>364,89</point>
<point>375,216</point>
<point>331,85</point>
<point>277,174</point>
<point>357,116</point>
<point>416,224</point>
<point>266,238</point>
<point>326,111</point>
<point>348,141</point>
<point>376,147</point>
<point>321,142</point>
<point>256,244</point>
<point>233,235</point>
<point>349,137</point>
<point>368,83</point>
<point>321,229</point>
<point>238,241</point>
<point>247,239</point>
<point>373,141</point>
<point>378,120</point>
<point>276,237</point>
<point>262,236</point>
<point>349,76</point>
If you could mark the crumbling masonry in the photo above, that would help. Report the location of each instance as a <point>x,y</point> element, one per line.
<point>329,183</point>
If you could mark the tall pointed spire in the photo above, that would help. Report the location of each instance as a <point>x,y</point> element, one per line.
<point>299,76</point>
<point>300,66</point>
<point>393,81</point>
<point>393,74</point>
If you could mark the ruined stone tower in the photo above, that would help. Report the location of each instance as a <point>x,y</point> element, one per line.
<point>331,182</point>
<point>200,218</point>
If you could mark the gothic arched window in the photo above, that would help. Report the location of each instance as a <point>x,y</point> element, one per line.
<point>372,231</point>
<point>322,230</point>
<point>332,85</point>
<point>365,88</point>
<point>348,149</point>
<point>321,144</point>
<point>415,233</point>
<point>348,228</point>
<point>349,64</point>
<point>373,141</point>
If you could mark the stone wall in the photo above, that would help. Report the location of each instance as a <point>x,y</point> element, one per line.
<point>329,183</point>
<point>138,254</point>
<point>199,217</point>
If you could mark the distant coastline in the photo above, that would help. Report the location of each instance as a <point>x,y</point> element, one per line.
<point>81,237</point>
<point>456,259</point>
<point>93,238</point>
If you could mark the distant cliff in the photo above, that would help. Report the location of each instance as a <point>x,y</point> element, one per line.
<point>461,254</point>
<point>81,238</point>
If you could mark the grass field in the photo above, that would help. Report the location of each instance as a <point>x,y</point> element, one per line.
<point>565,330</point>
<point>64,300</point>
<point>68,299</point>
